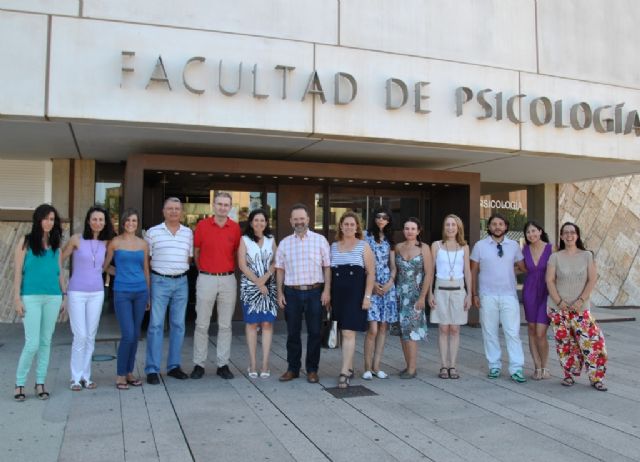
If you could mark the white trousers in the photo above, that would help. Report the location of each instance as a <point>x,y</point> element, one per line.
<point>84,316</point>
<point>505,310</point>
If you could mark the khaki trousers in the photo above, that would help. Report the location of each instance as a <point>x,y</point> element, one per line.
<point>221,291</point>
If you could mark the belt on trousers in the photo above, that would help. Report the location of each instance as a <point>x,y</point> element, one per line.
<point>228,273</point>
<point>449,288</point>
<point>308,287</point>
<point>172,276</point>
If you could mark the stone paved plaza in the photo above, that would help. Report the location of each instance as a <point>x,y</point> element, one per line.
<point>428,418</point>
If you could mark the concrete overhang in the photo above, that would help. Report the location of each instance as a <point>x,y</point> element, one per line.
<point>114,142</point>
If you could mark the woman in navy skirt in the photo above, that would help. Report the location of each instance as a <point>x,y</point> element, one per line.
<point>352,278</point>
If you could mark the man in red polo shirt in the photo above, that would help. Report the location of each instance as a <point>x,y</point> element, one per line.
<point>215,245</point>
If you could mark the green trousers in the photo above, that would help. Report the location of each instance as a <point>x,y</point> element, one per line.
<point>41,313</point>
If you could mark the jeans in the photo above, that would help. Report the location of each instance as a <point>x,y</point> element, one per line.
<point>41,313</point>
<point>222,291</point>
<point>172,293</point>
<point>301,302</point>
<point>85,309</point>
<point>505,310</point>
<point>130,308</point>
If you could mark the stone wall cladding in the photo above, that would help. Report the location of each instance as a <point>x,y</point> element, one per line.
<point>608,214</point>
<point>10,234</point>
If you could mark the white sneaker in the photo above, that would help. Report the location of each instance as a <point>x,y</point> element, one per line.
<point>368,375</point>
<point>381,375</point>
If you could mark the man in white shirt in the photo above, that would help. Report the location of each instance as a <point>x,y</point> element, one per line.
<point>495,295</point>
<point>171,250</point>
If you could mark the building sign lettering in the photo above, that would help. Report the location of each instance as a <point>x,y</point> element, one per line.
<point>610,118</point>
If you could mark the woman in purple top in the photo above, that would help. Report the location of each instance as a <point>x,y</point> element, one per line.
<point>534,294</point>
<point>86,292</point>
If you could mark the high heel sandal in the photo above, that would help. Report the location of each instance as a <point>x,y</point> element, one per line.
<point>20,396</point>
<point>344,381</point>
<point>43,394</point>
<point>544,374</point>
<point>453,373</point>
<point>537,374</point>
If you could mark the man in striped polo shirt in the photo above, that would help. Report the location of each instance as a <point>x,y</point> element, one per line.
<point>171,250</point>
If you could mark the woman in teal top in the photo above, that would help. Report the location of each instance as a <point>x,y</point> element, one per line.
<point>38,288</point>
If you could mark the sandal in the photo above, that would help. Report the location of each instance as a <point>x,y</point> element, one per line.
<point>537,374</point>
<point>599,386</point>
<point>75,386</point>
<point>344,381</point>
<point>444,373</point>
<point>545,373</point>
<point>134,382</point>
<point>122,385</point>
<point>408,375</point>
<point>42,394</point>
<point>88,384</point>
<point>453,375</point>
<point>568,381</point>
<point>252,374</point>
<point>20,396</point>
<point>265,374</point>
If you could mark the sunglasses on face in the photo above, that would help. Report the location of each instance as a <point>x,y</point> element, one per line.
<point>500,251</point>
<point>382,216</point>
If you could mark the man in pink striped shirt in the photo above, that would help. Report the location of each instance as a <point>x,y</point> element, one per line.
<point>304,276</point>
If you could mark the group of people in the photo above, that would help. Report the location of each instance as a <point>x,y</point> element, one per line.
<point>366,280</point>
<point>556,291</point>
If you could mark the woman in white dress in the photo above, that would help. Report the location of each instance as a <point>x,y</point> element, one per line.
<point>258,292</point>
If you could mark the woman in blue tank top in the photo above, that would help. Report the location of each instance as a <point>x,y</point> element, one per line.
<point>38,288</point>
<point>131,292</point>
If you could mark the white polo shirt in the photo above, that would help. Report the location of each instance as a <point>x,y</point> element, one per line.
<point>169,253</point>
<point>496,275</point>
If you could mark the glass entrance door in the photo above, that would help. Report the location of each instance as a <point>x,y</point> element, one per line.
<point>363,202</point>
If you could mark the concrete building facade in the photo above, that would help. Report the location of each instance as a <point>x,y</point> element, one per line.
<point>425,106</point>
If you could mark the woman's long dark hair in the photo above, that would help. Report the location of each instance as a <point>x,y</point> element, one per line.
<point>33,240</point>
<point>579,243</point>
<point>543,234</point>
<point>373,229</point>
<point>107,232</point>
<point>248,229</point>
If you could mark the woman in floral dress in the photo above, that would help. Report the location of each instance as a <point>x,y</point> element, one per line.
<point>384,309</point>
<point>414,275</point>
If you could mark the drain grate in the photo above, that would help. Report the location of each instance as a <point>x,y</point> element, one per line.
<point>354,391</point>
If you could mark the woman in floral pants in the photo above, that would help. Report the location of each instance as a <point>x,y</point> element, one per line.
<point>571,276</point>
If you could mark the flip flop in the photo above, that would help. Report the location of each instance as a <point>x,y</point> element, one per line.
<point>122,386</point>
<point>134,382</point>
